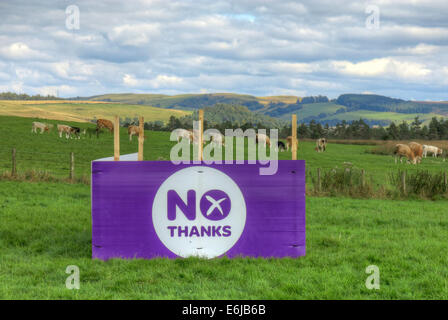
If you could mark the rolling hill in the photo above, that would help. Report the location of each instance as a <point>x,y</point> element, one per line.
<point>84,111</point>
<point>375,109</point>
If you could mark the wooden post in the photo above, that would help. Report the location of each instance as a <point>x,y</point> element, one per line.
<point>294,137</point>
<point>363,178</point>
<point>117,139</point>
<point>141,139</point>
<point>13,169</point>
<point>72,166</point>
<point>445,179</point>
<point>201,132</point>
<point>318,179</point>
<point>403,181</point>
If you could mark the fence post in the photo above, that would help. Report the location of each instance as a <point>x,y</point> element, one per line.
<point>294,137</point>
<point>13,169</point>
<point>117,139</point>
<point>363,178</point>
<point>72,166</point>
<point>318,179</point>
<point>201,132</point>
<point>141,139</point>
<point>403,181</point>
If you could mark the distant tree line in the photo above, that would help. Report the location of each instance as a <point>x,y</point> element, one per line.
<point>24,96</point>
<point>437,129</point>
<point>313,99</point>
<point>379,103</point>
<point>187,123</point>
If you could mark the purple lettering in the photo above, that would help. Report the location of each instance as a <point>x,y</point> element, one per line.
<point>226,232</point>
<point>216,231</point>
<point>174,201</point>
<point>172,228</point>
<point>206,231</point>
<point>194,231</point>
<point>180,231</point>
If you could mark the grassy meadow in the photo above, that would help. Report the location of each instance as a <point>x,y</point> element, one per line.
<point>48,152</point>
<point>83,111</point>
<point>386,116</point>
<point>46,226</point>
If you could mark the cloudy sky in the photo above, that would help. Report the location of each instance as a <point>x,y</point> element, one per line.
<point>246,46</point>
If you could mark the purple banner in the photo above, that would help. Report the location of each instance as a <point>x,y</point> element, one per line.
<point>148,209</point>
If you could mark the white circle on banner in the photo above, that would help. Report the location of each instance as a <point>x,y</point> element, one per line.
<point>206,214</point>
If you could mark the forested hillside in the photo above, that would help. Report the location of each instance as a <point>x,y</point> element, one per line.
<point>374,109</point>
<point>384,104</point>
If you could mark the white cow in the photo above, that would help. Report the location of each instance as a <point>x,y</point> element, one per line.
<point>321,145</point>
<point>183,134</point>
<point>42,126</point>
<point>435,151</point>
<point>262,138</point>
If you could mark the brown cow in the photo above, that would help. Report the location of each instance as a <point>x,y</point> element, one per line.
<point>62,128</point>
<point>401,151</point>
<point>134,130</point>
<point>103,123</point>
<point>417,149</point>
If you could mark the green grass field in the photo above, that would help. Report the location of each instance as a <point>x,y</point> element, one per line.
<point>389,116</point>
<point>44,227</point>
<point>314,109</point>
<point>50,153</point>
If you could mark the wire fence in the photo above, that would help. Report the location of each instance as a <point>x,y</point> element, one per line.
<point>72,166</point>
<point>19,163</point>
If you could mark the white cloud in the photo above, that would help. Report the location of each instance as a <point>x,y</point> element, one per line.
<point>293,67</point>
<point>134,35</point>
<point>129,80</point>
<point>160,81</point>
<point>20,51</point>
<point>247,46</point>
<point>62,90</point>
<point>420,49</point>
<point>383,67</point>
<point>166,81</point>
<point>15,86</point>
<point>73,70</point>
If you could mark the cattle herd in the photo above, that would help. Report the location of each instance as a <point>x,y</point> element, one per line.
<point>46,127</point>
<point>414,152</point>
<point>71,131</point>
<point>216,137</point>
